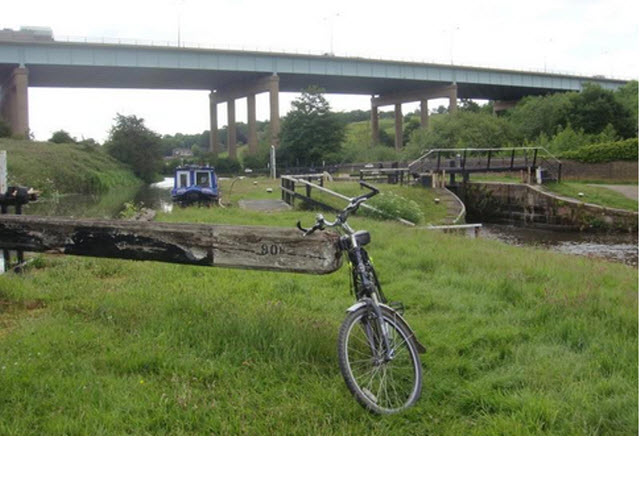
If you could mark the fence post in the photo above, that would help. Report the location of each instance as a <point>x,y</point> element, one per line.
<point>513,155</point>
<point>559,172</point>
<point>3,171</point>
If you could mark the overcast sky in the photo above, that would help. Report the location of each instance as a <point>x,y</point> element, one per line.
<point>590,37</point>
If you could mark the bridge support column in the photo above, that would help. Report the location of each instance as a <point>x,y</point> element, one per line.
<point>424,113</point>
<point>14,101</point>
<point>500,105</point>
<point>375,133</point>
<point>453,98</point>
<point>231,129</point>
<point>213,123</point>
<point>230,93</point>
<point>274,105</point>
<point>251,121</point>
<point>398,111</point>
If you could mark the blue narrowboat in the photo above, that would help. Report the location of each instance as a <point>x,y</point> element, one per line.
<point>195,184</point>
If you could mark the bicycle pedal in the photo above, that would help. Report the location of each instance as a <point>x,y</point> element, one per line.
<point>398,307</point>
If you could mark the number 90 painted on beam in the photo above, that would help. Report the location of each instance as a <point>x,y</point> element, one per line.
<point>271,249</point>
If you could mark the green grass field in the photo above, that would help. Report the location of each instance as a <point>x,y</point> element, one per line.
<point>520,341</point>
<point>593,194</point>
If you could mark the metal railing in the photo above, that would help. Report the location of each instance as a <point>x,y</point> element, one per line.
<point>477,160</point>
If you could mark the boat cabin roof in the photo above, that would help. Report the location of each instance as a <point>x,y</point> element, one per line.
<point>190,168</point>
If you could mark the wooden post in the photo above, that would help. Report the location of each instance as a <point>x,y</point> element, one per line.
<point>233,246</point>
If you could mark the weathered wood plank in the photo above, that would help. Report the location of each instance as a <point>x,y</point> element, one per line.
<point>234,246</point>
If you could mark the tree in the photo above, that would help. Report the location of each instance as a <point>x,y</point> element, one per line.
<point>537,115</point>
<point>62,136</point>
<point>310,132</point>
<point>627,96</point>
<point>461,130</point>
<point>131,142</point>
<point>594,108</point>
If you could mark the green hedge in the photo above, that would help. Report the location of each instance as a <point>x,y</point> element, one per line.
<point>605,152</point>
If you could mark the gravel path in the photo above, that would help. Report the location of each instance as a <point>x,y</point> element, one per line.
<point>629,191</point>
<point>264,205</point>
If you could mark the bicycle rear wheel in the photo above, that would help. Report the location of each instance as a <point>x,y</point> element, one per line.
<point>381,386</point>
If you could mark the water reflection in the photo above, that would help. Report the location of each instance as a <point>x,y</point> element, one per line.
<point>619,247</point>
<point>107,205</point>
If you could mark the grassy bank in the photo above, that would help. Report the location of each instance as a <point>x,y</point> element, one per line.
<point>64,168</point>
<point>520,341</point>
<point>593,194</point>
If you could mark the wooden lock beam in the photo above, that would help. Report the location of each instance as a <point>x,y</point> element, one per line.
<point>233,246</point>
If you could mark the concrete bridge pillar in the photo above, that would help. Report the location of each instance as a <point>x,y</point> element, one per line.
<point>274,105</point>
<point>500,105</point>
<point>398,112</point>
<point>230,93</point>
<point>424,113</point>
<point>231,129</point>
<point>453,98</point>
<point>251,121</point>
<point>14,101</point>
<point>213,122</point>
<point>375,134</point>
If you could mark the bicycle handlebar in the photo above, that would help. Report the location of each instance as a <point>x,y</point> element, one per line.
<point>354,203</point>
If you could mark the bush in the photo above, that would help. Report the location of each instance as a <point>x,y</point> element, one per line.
<point>605,152</point>
<point>5,129</point>
<point>62,136</point>
<point>393,206</point>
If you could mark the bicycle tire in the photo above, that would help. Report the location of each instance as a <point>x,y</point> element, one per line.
<point>359,369</point>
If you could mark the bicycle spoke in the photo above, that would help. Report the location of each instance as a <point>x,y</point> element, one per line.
<point>389,385</point>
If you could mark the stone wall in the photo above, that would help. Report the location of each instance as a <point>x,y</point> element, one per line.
<point>523,204</point>
<point>610,171</point>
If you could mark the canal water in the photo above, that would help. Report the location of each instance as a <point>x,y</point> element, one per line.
<point>618,247</point>
<point>621,248</point>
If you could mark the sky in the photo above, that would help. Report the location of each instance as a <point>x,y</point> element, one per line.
<point>590,37</point>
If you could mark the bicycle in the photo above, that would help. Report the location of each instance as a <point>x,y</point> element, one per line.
<point>378,353</point>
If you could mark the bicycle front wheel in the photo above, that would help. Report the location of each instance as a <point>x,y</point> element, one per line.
<point>381,385</point>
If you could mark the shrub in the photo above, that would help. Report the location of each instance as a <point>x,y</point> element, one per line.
<point>393,206</point>
<point>5,129</point>
<point>605,152</point>
<point>62,136</point>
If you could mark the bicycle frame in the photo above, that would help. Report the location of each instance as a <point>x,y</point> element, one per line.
<point>370,293</point>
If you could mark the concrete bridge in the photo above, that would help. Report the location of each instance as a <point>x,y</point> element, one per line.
<point>230,75</point>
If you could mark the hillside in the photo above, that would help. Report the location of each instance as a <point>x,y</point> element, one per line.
<point>64,168</point>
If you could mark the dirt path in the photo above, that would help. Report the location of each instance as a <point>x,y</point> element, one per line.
<point>629,191</point>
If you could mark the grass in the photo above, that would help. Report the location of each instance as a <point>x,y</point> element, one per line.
<point>593,194</point>
<point>64,168</point>
<point>520,342</point>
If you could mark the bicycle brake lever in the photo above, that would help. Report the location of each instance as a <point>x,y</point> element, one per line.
<point>301,228</point>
